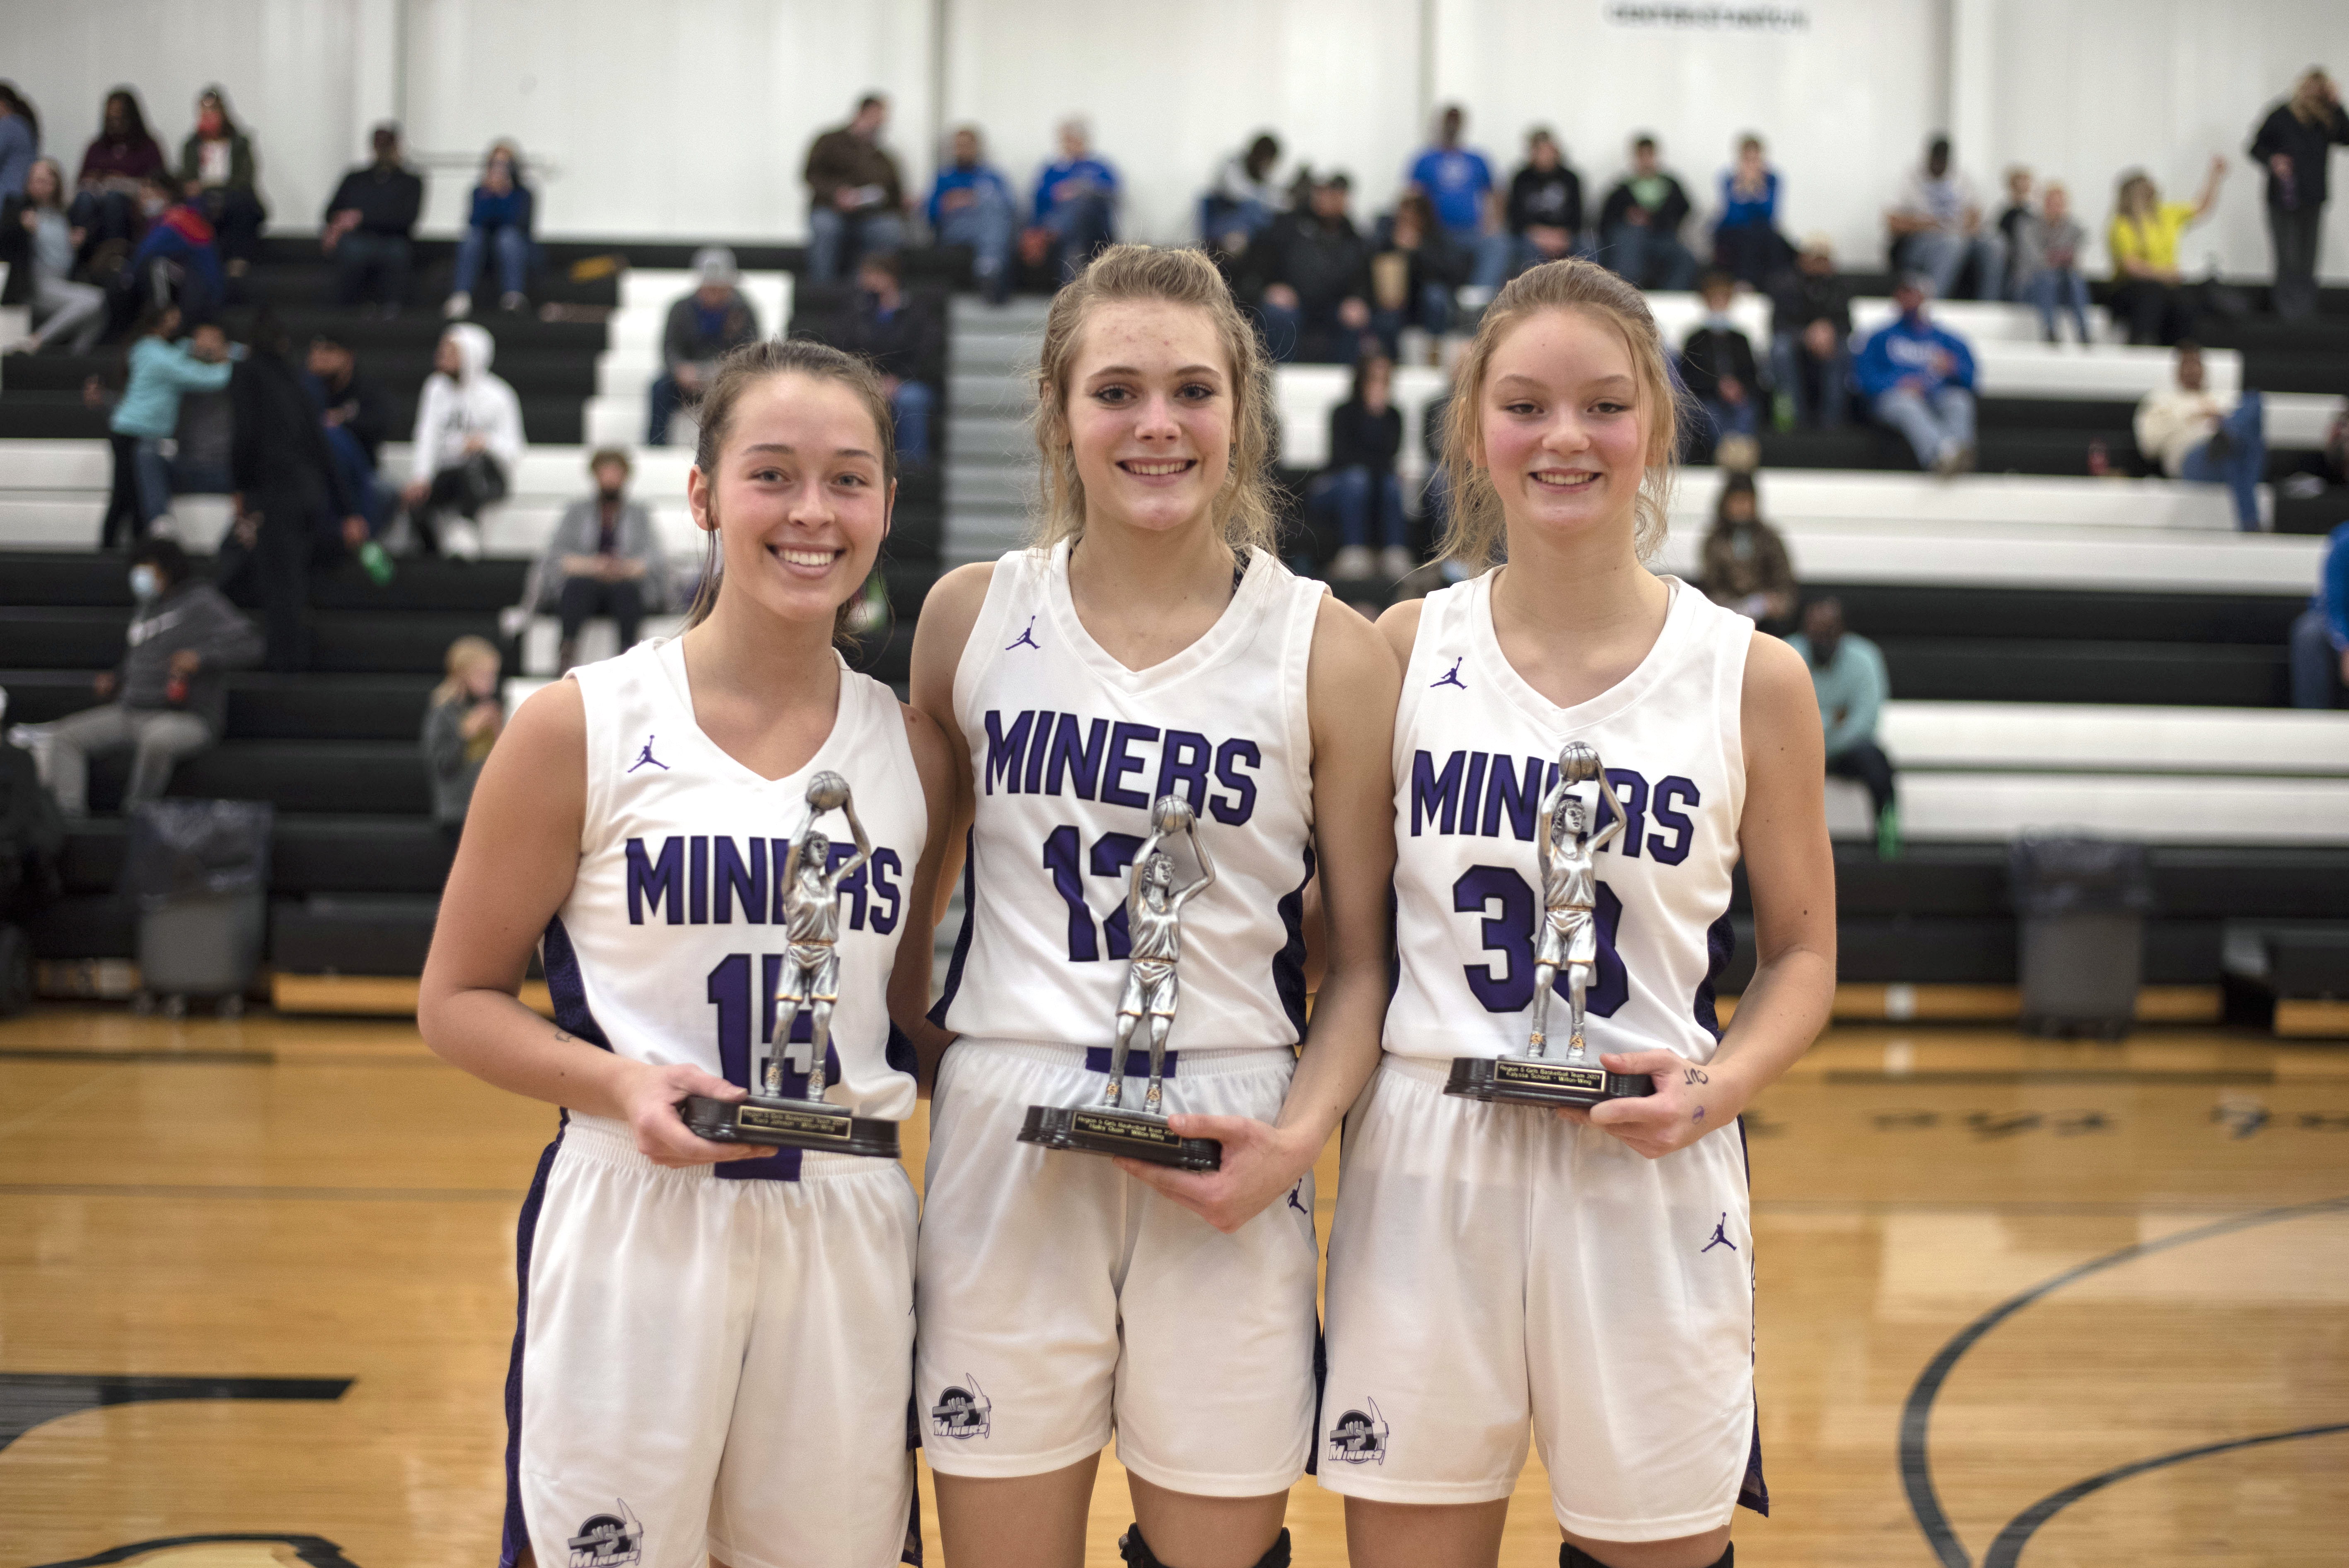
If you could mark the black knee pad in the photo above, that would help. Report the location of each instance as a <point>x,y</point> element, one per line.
<point>1138,1553</point>
<point>1572,1556</point>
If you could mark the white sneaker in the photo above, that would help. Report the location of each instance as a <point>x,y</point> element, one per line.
<point>1397,562</point>
<point>516,301</point>
<point>1352,563</point>
<point>460,306</point>
<point>461,540</point>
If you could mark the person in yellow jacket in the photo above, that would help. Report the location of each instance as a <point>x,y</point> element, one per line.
<point>2149,293</point>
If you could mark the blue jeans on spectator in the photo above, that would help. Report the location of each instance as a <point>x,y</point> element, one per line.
<point>986,227</point>
<point>2235,455</point>
<point>1729,418</point>
<point>1936,423</point>
<point>1079,226</point>
<point>2050,287</point>
<point>1750,253</point>
<point>1649,259</point>
<point>836,238</point>
<point>189,477</point>
<point>511,247</point>
<point>1524,252</point>
<point>1431,313</point>
<point>2315,661</point>
<point>1492,252</point>
<point>661,405</point>
<point>910,406</point>
<point>1818,387</point>
<point>1942,256</point>
<point>154,481</point>
<point>1315,337</point>
<point>1348,495</point>
<point>376,498</point>
<point>105,215</point>
<point>366,262</point>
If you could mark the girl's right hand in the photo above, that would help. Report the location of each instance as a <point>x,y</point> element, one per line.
<point>662,1137</point>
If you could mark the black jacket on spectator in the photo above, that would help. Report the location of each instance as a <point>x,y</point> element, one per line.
<point>908,343</point>
<point>1550,199</point>
<point>1440,259</point>
<point>366,410</point>
<point>192,616</point>
<point>2310,148</point>
<point>683,341</point>
<point>1712,353</point>
<point>1799,299</point>
<point>1667,219</point>
<point>1359,438</point>
<point>280,448</point>
<point>1326,261</point>
<point>386,200</point>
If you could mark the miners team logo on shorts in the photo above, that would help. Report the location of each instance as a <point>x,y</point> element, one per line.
<point>962,1412</point>
<point>608,1539</point>
<point>1357,1437</point>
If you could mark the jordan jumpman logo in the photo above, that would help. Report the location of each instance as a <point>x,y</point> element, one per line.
<point>1720,1237</point>
<point>1451,676</point>
<point>645,756</point>
<point>1026,636</point>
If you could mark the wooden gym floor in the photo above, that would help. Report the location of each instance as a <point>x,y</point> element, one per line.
<point>2020,1303</point>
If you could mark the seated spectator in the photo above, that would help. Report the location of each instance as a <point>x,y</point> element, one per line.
<point>1414,273</point>
<point>1459,186</point>
<point>294,511</point>
<point>1365,437</point>
<point>1746,239</point>
<point>1246,196</point>
<point>903,338</point>
<point>368,221</point>
<point>20,139</point>
<point>2295,145</point>
<point>1545,209</point>
<point>2319,637</point>
<point>2009,219</point>
<point>1848,672</point>
<point>216,172</point>
<point>2191,434</point>
<point>177,259</point>
<point>62,310</point>
<point>467,440</point>
<point>1076,204</point>
<point>460,726</point>
<point>1936,230</point>
<point>148,414</point>
<point>702,327</point>
<point>356,415</point>
<point>1640,224</point>
<point>971,204</point>
<point>168,699</point>
<point>856,200</point>
<point>1745,565</point>
<point>1810,338</point>
<point>1717,366</point>
<point>1310,274</point>
<point>604,558</point>
<point>497,225</point>
<point>106,204</point>
<point>1919,380</point>
<point>2046,270</point>
<point>2148,286</point>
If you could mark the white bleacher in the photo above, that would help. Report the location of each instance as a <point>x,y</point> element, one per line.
<point>631,360</point>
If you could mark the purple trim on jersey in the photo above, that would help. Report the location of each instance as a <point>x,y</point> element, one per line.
<point>1137,1061</point>
<point>1721,942</point>
<point>1288,964</point>
<point>561,962</point>
<point>516,1534</point>
<point>1753,1492</point>
<point>938,1014</point>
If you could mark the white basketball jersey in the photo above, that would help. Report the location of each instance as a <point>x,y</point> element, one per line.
<point>1069,748</point>
<point>671,944</point>
<point>1476,749</point>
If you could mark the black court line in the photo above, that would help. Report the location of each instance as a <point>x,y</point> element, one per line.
<point>1917,1415</point>
<point>2007,1549</point>
<point>29,1398</point>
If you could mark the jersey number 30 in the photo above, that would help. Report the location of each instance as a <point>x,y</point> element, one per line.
<point>1510,934</point>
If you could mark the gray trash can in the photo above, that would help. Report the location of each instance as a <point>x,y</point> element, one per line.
<point>2080,904</point>
<point>199,872</point>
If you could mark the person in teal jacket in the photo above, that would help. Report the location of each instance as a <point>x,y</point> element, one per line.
<point>1848,672</point>
<point>147,414</point>
<point>1920,380</point>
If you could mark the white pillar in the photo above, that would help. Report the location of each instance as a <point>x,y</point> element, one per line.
<point>379,68</point>
<point>1970,120</point>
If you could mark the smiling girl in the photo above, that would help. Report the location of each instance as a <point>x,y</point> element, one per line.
<point>715,1341</point>
<point>1495,1267</point>
<point>1150,643</point>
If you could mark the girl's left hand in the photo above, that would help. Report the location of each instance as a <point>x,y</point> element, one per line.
<point>1259,1165</point>
<point>1689,1102</point>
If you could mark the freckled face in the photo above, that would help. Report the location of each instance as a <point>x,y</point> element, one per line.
<point>1150,408</point>
<point>1565,438</point>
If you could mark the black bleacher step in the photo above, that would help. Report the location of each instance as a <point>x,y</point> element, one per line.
<point>399,372</point>
<point>50,417</point>
<point>2286,370</point>
<point>308,854</point>
<point>94,925</point>
<point>342,777</point>
<point>2309,963</point>
<point>2191,882</point>
<point>261,707</point>
<point>336,934</point>
<point>2319,513</point>
<point>59,578</point>
<point>2088,416</point>
<point>1990,669</point>
<point>344,643</point>
<point>424,583</point>
<point>1937,610</point>
<point>1981,950</point>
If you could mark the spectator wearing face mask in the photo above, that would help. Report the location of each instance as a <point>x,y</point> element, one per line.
<point>497,226</point>
<point>903,337</point>
<point>356,415</point>
<point>604,558</point>
<point>461,723</point>
<point>1848,675</point>
<point>217,173</point>
<point>179,257</point>
<point>467,440</point>
<point>168,699</point>
<point>1718,368</point>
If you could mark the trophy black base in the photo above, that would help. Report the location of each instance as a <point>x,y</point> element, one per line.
<point>1128,1134</point>
<point>1539,1080</point>
<point>790,1124</point>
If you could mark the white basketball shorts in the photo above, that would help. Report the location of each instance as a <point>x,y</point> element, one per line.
<point>1494,1268</point>
<point>714,1367</point>
<point>1061,1298</point>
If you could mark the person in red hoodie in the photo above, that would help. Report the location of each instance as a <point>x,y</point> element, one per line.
<point>179,259</point>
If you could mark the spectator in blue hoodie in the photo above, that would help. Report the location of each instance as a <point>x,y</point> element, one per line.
<point>1920,380</point>
<point>1458,183</point>
<point>971,204</point>
<point>1745,239</point>
<point>499,224</point>
<point>1076,201</point>
<point>2320,638</point>
<point>148,413</point>
<point>178,259</point>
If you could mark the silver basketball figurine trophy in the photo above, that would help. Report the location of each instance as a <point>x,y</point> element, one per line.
<point>809,984</point>
<point>1153,915</point>
<point>1571,836</point>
